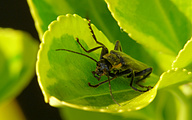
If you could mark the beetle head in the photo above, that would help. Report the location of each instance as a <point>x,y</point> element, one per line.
<point>103,68</point>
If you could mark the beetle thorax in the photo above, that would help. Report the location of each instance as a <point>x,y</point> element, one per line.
<point>112,59</point>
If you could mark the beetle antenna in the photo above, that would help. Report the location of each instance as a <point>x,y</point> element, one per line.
<point>77,53</point>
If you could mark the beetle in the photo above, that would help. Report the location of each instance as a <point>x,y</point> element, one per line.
<point>115,64</point>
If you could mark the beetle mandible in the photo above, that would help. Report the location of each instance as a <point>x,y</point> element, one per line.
<point>115,64</point>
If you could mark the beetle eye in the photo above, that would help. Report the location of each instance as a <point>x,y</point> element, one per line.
<point>98,64</point>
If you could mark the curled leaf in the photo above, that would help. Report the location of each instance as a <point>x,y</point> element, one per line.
<point>159,25</point>
<point>63,76</point>
<point>184,58</point>
<point>175,77</point>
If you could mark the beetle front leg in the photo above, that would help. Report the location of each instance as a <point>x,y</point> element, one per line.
<point>97,85</point>
<point>94,74</point>
<point>88,51</point>
<point>103,51</point>
<point>93,34</point>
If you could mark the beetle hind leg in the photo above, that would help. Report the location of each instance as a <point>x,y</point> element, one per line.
<point>131,83</point>
<point>142,73</point>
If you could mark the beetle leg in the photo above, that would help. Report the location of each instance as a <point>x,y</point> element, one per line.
<point>97,85</point>
<point>98,78</point>
<point>104,48</point>
<point>93,34</point>
<point>148,71</point>
<point>126,72</point>
<point>108,80</point>
<point>111,91</point>
<point>143,72</point>
<point>88,51</point>
<point>103,51</point>
<point>132,78</point>
<point>131,74</point>
<point>118,46</point>
<point>131,84</point>
<point>142,86</point>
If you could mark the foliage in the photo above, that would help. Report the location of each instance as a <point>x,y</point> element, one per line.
<point>162,29</point>
<point>18,52</point>
<point>18,55</point>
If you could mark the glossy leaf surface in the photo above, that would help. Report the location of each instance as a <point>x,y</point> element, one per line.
<point>64,76</point>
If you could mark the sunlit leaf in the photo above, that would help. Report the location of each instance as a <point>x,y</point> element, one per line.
<point>157,24</point>
<point>45,11</point>
<point>175,77</point>
<point>64,76</point>
<point>181,68</point>
<point>185,7</point>
<point>184,58</point>
<point>68,113</point>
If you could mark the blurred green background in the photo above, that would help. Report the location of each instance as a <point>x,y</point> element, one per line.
<point>15,14</point>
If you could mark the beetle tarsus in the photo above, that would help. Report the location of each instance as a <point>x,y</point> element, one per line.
<point>95,86</point>
<point>98,78</point>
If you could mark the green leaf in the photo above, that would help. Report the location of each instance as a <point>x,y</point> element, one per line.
<point>64,76</point>
<point>184,58</point>
<point>185,7</point>
<point>162,108</point>
<point>157,24</point>
<point>45,11</point>
<point>68,114</point>
<point>183,104</point>
<point>181,68</point>
<point>11,111</point>
<point>18,52</point>
<point>175,77</point>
